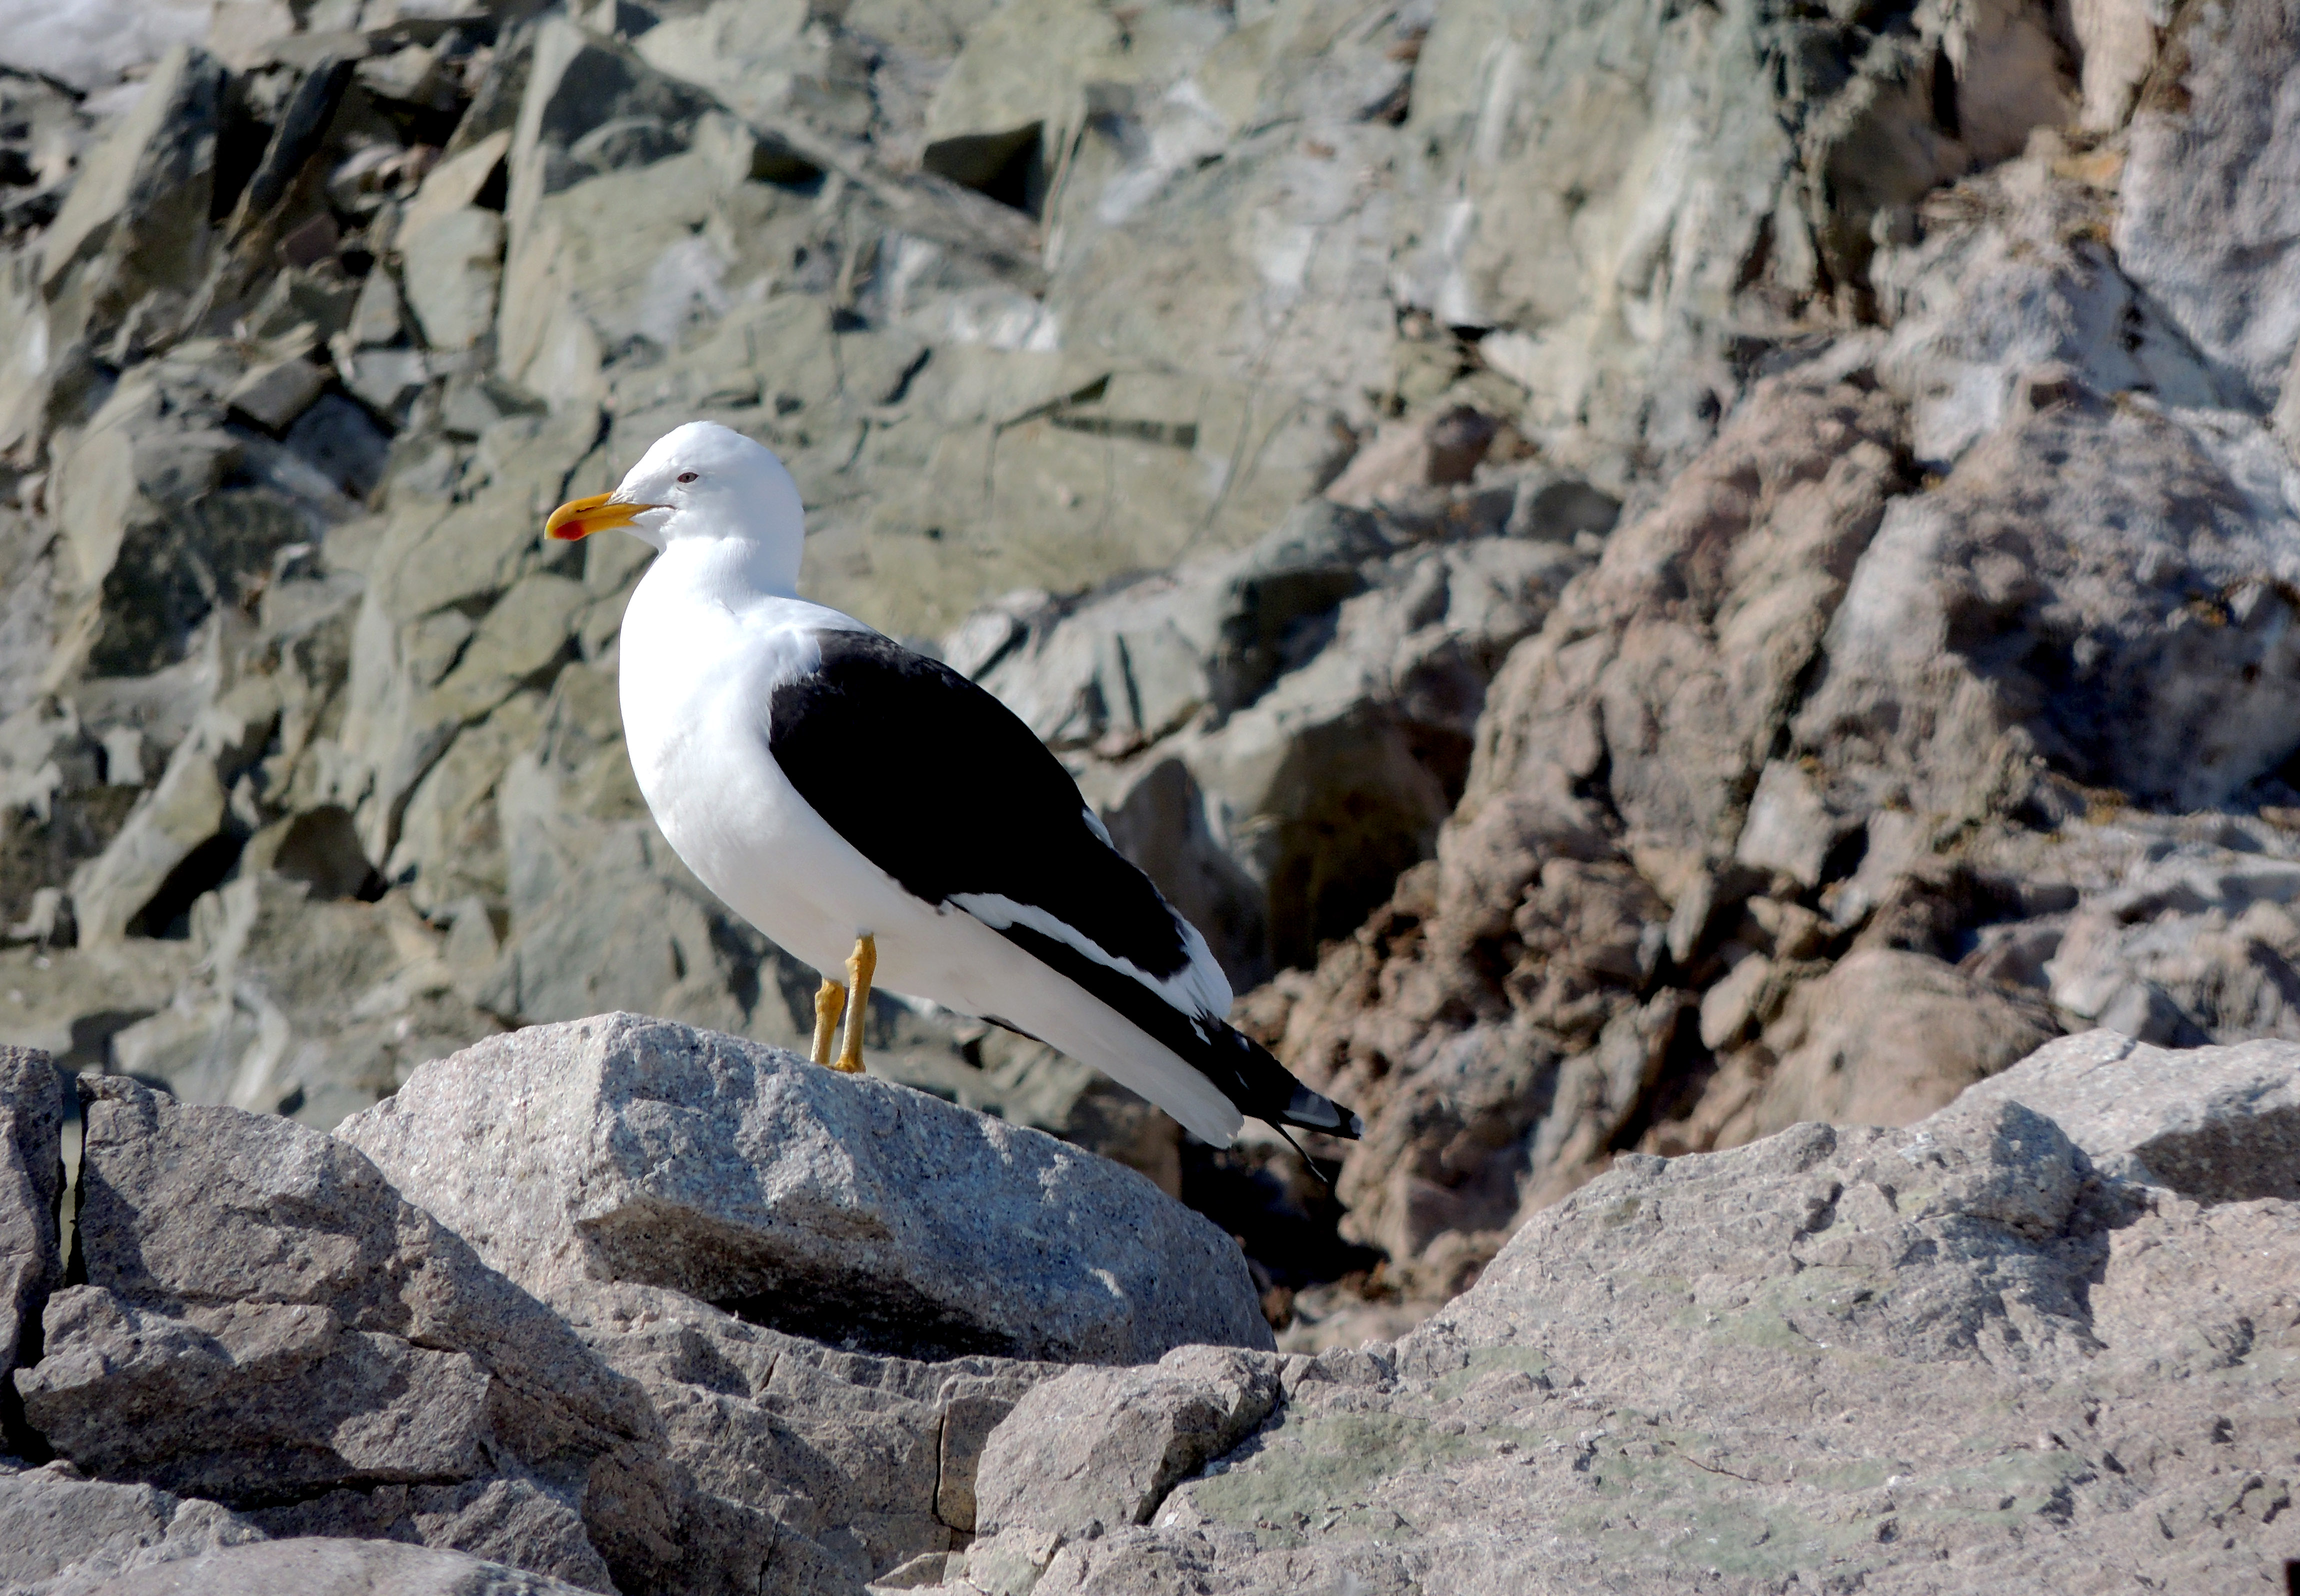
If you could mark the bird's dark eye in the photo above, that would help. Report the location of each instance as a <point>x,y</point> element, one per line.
<point>687,476</point>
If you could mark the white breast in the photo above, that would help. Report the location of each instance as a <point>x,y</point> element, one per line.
<point>697,679</point>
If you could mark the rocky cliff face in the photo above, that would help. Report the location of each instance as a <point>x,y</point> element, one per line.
<point>1646,572</point>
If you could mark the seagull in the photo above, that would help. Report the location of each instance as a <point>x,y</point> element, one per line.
<point>876,814</point>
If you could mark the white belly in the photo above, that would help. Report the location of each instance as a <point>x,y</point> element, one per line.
<point>694,719</point>
<point>728,810</point>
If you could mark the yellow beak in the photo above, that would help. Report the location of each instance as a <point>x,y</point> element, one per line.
<point>579,517</point>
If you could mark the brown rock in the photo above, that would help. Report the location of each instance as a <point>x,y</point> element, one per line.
<point>1630,731</point>
<point>1434,450</point>
<point>1885,1038</point>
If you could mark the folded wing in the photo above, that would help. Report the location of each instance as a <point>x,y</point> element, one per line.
<point>1007,839</point>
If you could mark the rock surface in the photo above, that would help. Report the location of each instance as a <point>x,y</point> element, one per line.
<point>1980,1350</point>
<point>2214,1123</point>
<point>62,1532</point>
<point>1910,724</point>
<point>1098,1450</point>
<point>264,1320</point>
<point>272,1341</point>
<point>31,1195</point>
<point>852,1210</point>
<point>333,1568</point>
<point>1935,1359</point>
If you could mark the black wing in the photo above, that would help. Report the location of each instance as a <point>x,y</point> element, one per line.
<point>942,788</point>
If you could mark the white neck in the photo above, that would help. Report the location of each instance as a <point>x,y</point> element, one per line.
<point>730,567</point>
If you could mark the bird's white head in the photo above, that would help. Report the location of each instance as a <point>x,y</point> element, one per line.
<point>702,482</point>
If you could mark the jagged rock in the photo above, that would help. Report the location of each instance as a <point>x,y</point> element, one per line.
<point>2009,295</point>
<point>138,216</point>
<point>1918,722</point>
<point>1496,272</point>
<point>2173,931</point>
<point>273,395</point>
<point>314,1003</point>
<point>64,1535</point>
<point>386,381</point>
<point>2215,1123</point>
<point>335,1336</point>
<point>173,512</point>
<point>576,84</point>
<point>377,319</point>
<point>453,186</point>
<point>264,1318</point>
<point>1001,104</point>
<point>1099,1448</point>
<point>244,32</point>
<point>626,929</point>
<point>31,1195</point>
<point>1668,669</point>
<point>1991,613</point>
<point>1274,735</point>
<point>1036,463</point>
<point>759,59</point>
<point>785,1191</point>
<point>124,888</point>
<point>2206,222</point>
<point>453,267</point>
<point>1886,1037</point>
<point>1973,1263</point>
<point>862,1462</point>
<point>332,1568</point>
<point>71,1002</point>
<point>1436,451</point>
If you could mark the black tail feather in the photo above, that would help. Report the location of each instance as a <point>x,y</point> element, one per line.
<point>1241,1068</point>
<point>1271,1094</point>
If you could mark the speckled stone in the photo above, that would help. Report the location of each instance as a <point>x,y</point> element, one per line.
<point>843,1207</point>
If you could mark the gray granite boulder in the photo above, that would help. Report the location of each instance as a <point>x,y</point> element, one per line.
<point>62,1534</point>
<point>1098,1448</point>
<point>267,1324</point>
<point>859,1462</point>
<point>31,1191</point>
<point>1943,1359</point>
<point>331,1567</point>
<point>2215,1123</point>
<point>264,1320</point>
<point>843,1207</point>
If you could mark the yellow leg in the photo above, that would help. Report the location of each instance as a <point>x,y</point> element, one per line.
<point>860,964</point>
<point>828,1001</point>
